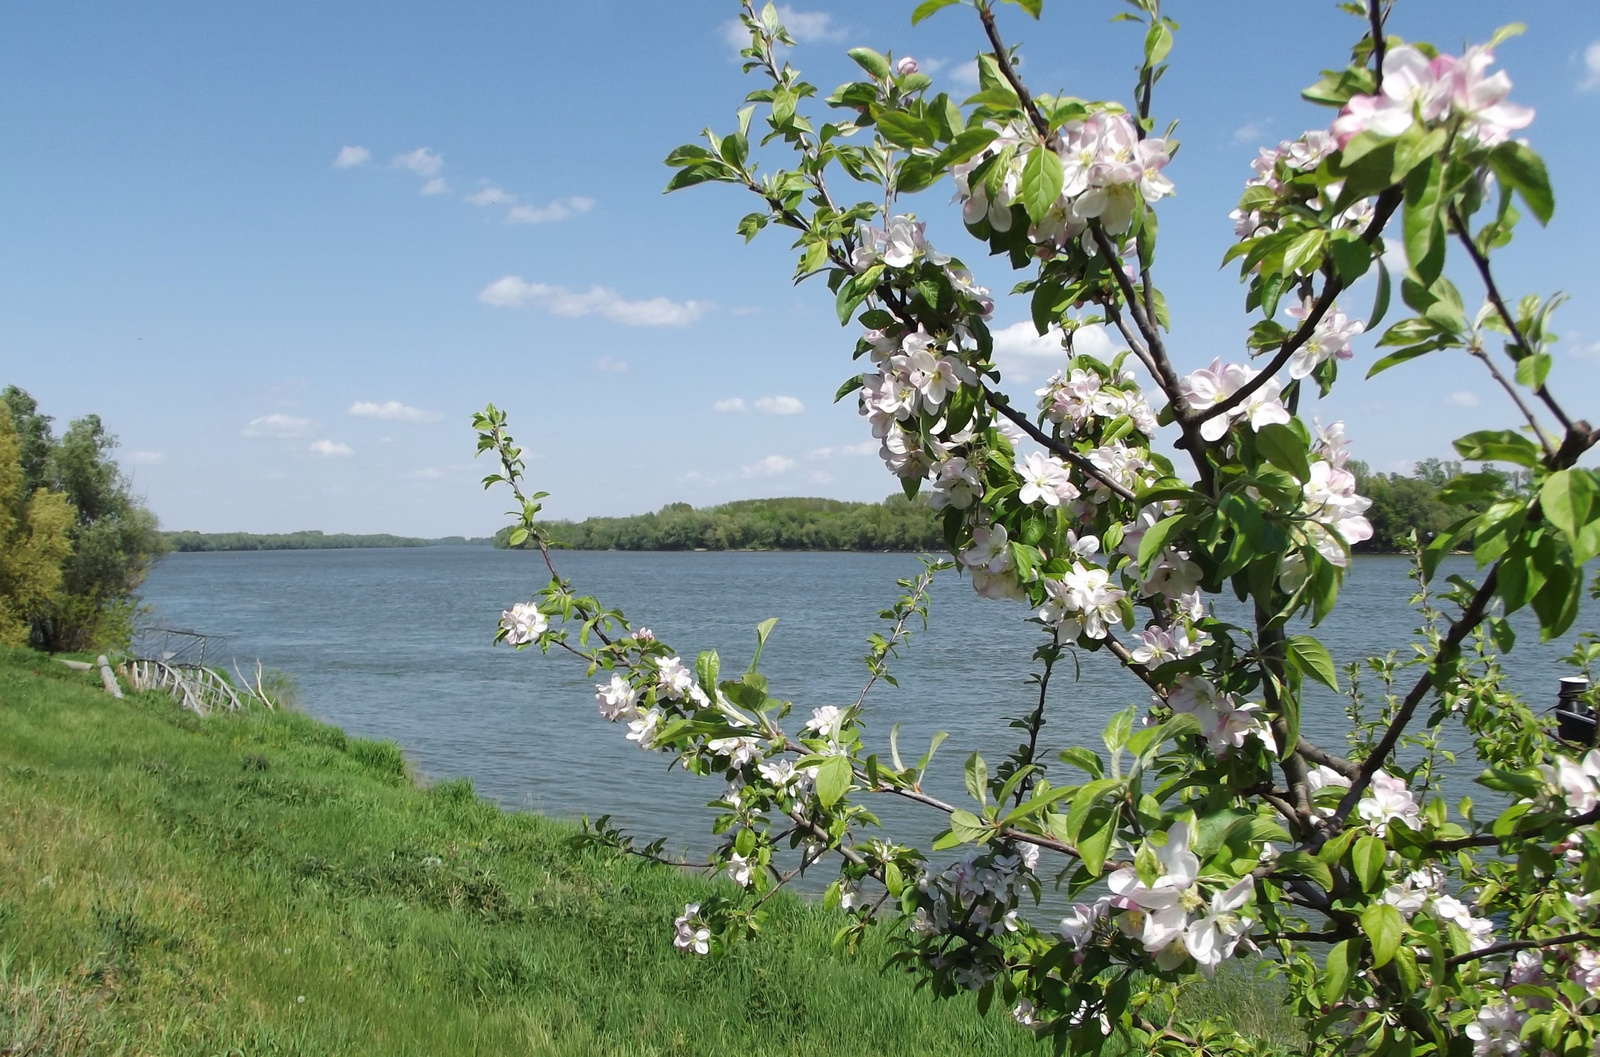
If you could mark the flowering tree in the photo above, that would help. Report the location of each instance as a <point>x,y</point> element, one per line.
<point>1209,825</point>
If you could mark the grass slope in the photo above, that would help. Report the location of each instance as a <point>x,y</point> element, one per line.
<point>262,884</point>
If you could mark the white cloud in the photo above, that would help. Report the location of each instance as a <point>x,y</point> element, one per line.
<point>282,426</point>
<point>1251,132</point>
<point>436,186</point>
<point>806,27</point>
<point>866,447</point>
<point>427,473</point>
<point>421,161</point>
<point>779,405</point>
<point>512,292</point>
<point>330,449</point>
<point>560,209</point>
<point>735,403</point>
<point>491,196</point>
<point>1574,344</point>
<point>1591,66</point>
<point>820,477</point>
<point>771,466</point>
<point>146,458</point>
<point>966,74</point>
<point>1462,399</point>
<point>1022,340</point>
<point>606,365</point>
<point>350,157</point>
<point>392,411</point>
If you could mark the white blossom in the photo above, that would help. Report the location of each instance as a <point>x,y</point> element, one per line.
<point>616,698</point>
<point>523,623</point>
<point>1388,800</point>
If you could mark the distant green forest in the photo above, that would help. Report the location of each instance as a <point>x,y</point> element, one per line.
<point>896,524</point>
<point>1400,503</point>
<point>306,541</point>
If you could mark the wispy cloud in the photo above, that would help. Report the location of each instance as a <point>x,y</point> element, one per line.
<point>966,74</point>
<point>1591,68</point>
<point>145,458</point>
<point>490,196</point>
<point>284,427</point>
<point>392,411</point>
<point>1251,132</point>
<point>560,209</point>
<point>427,473</point>
<point>436,186</point>
<point>779,405</point>
<point>806,27</point>
<point>421,161</point>
<point>845,451</point>
<point>1462,399</point>
<point>606,365</point>
<point>350,157</point>
<point>732,404</point>
<point>513,292</point>
<point>331,449</point>
<point>771,466</point>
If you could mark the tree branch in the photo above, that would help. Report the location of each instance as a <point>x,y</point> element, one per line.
<point>1481,262</point>
<point>1002,59</point>
<point>1387,203</point>
<point>1516,398</point>
<point>1519,945</point>
<point>1000,403</point>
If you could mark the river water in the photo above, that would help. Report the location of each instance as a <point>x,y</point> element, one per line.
<point>396,644</point>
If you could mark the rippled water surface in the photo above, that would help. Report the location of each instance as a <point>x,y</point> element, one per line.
<point>396,644</point>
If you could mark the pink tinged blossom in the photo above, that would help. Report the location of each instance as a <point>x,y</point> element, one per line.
<point>673,680</point>
<point>644,727</point>
<point>1210,386</point>
<point>1231,725</point>
<point>1491,119</point>
<point>1331,444</point>
<point>1497,1031</point>
<point>905,67</point>
<point>523,623</point>
<point>1575,783</point>
<point>616,698</point>
<point>1330,499</point>
<point>1527,968</point>
<point>1078,927</point>
<point>1330,339</point>
<point>1045,479</point>
<point>739,751</point>
<point>1213,937</point>
<point>957,484</point>
<point>998,587</point>
<point>741,871</point>
<point>1586,971</point>
<point>1387,800</point>
<point>1082,602</point>
<point>689,934</point>
<point>990,551</point>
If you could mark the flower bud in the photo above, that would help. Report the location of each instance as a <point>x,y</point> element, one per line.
<point>905,67</point>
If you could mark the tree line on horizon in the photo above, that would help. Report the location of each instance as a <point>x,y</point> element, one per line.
<point>310,540</point>
<point>1401,503</point>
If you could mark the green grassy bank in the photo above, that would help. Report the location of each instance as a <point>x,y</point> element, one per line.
<point>262,884</point>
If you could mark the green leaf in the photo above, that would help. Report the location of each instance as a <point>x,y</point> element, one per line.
<point>1351,256</point>
<point>1368,859</point>
<point>1344,958</point>
<point>1032,7</point>
<point>1155,540</point>
<point>1084,759</point>
<point>1305,252</point>
<point>977,776</point>
<point>1533,370</point>
<point>1284,449</point>
<point>869,60</point>
<point>928,7</point>
<point>1380,303</point>
<point>1567,498</point>
<point>833,779</point>
<point>1157,43</point>
<point>1524,170</point>
<point>1041,182</point>
<point>1095,844</point>
<point>1383,926</point>
<point>1312,658</point>
<point>850,386</point>
<point>1116,733</point>
<point>706,667</point>
<point>966,827</point>
<point>1304,864</point>
<point>1498,445</point>
<point>1423,226</point>
<point>763,630</point>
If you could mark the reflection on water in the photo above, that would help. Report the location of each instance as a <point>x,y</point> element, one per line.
<point>396,644</point>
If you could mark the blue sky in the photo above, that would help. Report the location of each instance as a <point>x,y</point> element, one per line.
<point>282,342</point>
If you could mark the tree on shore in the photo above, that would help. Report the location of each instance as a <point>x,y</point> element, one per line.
<point>110,539</point>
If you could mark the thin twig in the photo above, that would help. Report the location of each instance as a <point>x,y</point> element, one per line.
<point>1481,262</point>
<point>999,402</point>
<point>1379,44</point>
<point>1519,945</point>
<point>1516,398</point>
<point>1002,59</point>
<point>1387,203</point>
